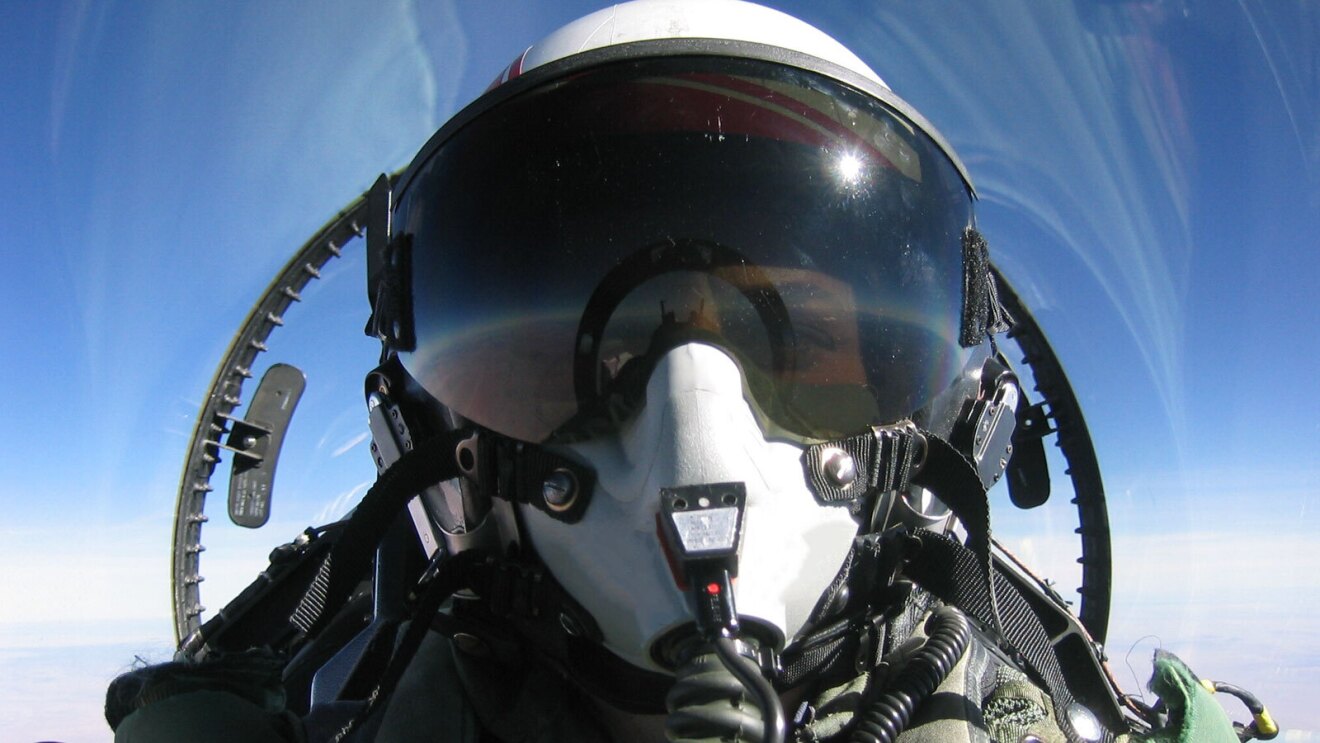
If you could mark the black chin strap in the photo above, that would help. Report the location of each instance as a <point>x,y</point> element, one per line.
<point>520,471</point>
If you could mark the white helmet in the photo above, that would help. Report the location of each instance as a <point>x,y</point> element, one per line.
<point>676,249</point>
<point>653,20</point>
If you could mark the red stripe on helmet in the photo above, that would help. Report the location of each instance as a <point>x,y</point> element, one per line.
<point>508,73</point>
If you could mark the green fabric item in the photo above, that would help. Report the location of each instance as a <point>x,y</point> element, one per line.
<point>237,696</point>
<point>526,703</point>
<point>835,708</point>
<point>253,675</point>
<point>1194,714</point>
<point>951,714</point>
<point>1018,708</point>
<point>206,717</point>
<point>955,712</point>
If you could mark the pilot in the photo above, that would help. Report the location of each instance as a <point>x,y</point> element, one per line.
<point>689,345</point>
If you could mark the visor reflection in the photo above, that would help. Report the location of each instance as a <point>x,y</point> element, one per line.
<point>567,236</point>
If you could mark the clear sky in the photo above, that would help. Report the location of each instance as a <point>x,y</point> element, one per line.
<point>1149,173</point>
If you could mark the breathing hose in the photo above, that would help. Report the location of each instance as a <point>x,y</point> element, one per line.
<point>889,714</point>
<point>709,702</point>
<point>750,676</point>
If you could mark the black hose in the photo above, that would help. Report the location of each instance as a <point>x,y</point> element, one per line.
<point>1262,726</point>
<point>719,695</point>
<point>772,712</point>
<point>889,714</point>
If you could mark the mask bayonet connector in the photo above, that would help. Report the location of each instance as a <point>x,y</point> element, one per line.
<point>702,529</point>
<point>701,526</point>
<point>389,273</point>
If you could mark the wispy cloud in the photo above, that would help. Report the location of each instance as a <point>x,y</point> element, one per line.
<point>343,502</point>
<point>348,445</point>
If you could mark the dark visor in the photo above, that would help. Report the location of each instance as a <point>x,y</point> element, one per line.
<point>567,238</point>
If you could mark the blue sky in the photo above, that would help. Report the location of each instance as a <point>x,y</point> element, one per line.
<point>1149,176</point>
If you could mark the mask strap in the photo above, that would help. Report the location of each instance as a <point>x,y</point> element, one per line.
<point>893,458</point>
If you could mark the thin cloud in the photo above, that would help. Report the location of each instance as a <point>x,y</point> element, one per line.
<point>348,445</point>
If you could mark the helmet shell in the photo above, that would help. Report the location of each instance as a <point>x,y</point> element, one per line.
<point>653,20</point>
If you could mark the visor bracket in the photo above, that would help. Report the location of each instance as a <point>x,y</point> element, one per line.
<point>389,272</point>
<point>985,432</point>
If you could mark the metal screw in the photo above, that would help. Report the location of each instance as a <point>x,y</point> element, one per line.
<point>839,467</point>
<point>840,600</point>
<point>559,490</point>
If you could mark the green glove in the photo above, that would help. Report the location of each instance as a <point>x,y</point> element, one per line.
<point>1194,714</point>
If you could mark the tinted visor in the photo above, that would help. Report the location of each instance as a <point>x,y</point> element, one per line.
<point>566,238</point>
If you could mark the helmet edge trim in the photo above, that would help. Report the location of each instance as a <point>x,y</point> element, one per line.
<point>656,48</point>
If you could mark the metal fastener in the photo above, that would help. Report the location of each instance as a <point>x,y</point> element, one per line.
<point>839,467</point>
<point>559,490</point>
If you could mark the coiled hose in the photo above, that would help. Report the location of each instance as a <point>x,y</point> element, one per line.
<point>720,696</point>
<point>889,714</point>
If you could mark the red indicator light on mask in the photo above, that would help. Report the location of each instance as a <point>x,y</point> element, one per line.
<point>713,589</point>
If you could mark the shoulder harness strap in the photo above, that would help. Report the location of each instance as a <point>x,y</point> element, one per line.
<point>1038,633</point>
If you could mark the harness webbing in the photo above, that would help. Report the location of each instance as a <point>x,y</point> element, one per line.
<point>950,572</point>
<point>954,479</point>
<point>1037,632</point>
<point>887,459</point>
<point>450,574</point>
<point>350,559</point>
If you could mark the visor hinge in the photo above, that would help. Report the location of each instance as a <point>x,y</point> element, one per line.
<point>391,316</point>
<point>984,433</point>
<point>389,273</point>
